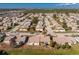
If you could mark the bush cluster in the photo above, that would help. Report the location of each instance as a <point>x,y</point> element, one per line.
<point>58,46</point>
<point>66,45</point>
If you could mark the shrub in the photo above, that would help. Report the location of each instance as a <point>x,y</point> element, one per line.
<point>57,46</point>
<point>35,20</point>
<point>53,44</point>
<point>63,46</point>
<point>41,43</point>
<point>55,16</point>
<point>3,52</point>
<point>66,45</point>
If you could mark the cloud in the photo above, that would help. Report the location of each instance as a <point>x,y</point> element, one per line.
<point>63,4</point>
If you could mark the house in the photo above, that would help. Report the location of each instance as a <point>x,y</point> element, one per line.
<point>22,29</point>
<point>35,40</point>
<point>8,38</point>
<point>76,37</point>
<point>1,28</point>
<point>39,26</point>
<point>1,24</point>
<point>62,39</point>
<point>25,26</point>
<point>59,30</point>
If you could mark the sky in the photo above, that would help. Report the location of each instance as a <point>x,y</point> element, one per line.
<point>39,1</point>
<point>40,5</point>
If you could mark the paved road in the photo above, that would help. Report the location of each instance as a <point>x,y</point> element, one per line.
<point>20,33</point>
<point>67,34</point>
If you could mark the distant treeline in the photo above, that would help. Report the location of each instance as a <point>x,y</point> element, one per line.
<point>9,9</point>
<point>42,10</point>
<point>51,11</point>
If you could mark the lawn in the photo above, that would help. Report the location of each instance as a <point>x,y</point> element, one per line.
<point>73,51</point>
<point>43,52</point>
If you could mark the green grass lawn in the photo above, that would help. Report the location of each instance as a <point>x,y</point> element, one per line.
<point>43,52</point>
<point>73,51</point>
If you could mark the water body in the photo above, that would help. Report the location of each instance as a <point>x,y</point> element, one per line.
<point>40,5</point>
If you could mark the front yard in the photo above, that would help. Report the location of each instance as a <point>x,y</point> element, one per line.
<point>40,51</point>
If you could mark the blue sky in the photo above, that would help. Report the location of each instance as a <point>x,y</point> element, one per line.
<point>39,5</point>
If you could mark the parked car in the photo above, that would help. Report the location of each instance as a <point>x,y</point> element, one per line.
<point>2,36</point>
<point>22,41</point>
